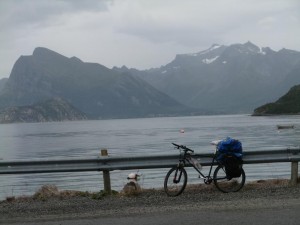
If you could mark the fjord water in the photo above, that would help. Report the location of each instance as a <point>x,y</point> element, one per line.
<point>145,136</point>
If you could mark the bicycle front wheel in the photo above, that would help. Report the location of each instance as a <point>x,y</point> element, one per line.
<point>175,181</point>
<point>225,184</point>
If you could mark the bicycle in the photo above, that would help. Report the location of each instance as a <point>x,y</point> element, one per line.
<point>176,179</point>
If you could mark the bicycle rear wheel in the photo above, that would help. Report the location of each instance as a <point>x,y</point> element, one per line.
<point>225,184</point>
<point>175,181</point>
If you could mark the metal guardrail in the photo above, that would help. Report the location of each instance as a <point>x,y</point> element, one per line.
<point>107,163</point>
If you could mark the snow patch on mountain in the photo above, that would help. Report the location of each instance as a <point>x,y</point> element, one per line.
<point>209,61</point>
<point>262,52</point>
<point>212,48</point>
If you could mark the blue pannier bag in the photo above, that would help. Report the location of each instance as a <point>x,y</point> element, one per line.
<point>230,146</point>
<point>230,154</point>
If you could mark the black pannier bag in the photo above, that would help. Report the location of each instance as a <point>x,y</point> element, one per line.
<point>233,166</point>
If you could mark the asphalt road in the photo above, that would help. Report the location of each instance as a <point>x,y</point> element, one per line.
<point>271,215</point>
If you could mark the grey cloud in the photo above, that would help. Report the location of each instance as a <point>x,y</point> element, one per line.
<point>139,33</point>
<point>214,19</point>
<point>16,13</point>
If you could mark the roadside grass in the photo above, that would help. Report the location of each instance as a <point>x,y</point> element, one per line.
<point>51,191</point>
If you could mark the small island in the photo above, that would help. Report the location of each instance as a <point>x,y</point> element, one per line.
<point>55,109</point>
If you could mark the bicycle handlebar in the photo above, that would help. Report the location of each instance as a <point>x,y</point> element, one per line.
<point>186,149</point>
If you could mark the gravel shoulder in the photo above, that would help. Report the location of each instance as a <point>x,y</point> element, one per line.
<point>259,194</point>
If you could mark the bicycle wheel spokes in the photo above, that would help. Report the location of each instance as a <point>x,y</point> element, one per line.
<point>228,185</point>
<point>175,181</point>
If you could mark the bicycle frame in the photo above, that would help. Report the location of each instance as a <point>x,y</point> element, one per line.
<point>186,157</point>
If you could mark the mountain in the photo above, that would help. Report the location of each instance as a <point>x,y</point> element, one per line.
<point>221,79</point>
<point>226,79</point>
<point>97,91</point>
<point>287,104</point>
<point>2,83</point>
<point>51,110</point>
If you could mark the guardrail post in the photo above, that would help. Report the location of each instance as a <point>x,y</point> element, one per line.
<point>294,173</point>
<point>106,175</point>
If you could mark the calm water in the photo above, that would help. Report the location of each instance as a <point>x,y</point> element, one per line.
<point>135,137</point>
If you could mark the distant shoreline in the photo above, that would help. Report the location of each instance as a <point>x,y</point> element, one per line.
<point>269,114</point>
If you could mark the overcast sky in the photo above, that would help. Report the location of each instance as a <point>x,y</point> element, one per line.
<point>142,33</point>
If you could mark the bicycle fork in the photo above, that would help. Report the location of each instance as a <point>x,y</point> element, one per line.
<point>177,175</point>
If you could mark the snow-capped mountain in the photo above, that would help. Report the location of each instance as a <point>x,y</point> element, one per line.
<point>227,79</point>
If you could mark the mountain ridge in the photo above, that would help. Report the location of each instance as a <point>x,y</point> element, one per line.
<point>96,90</point>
